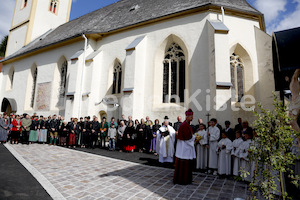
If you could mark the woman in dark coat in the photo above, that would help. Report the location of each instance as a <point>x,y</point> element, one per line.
<point>4,128</point>
<point>140,135</point>
<point>64,133</point>
<point>156,126</point>
<point>148,136</point>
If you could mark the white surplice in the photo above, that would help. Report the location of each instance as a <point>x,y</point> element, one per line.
<point>185,149</point>
<point>224,159</point>
<point>165,145</point>
<point>213,143</point>
<point>235,154</point>
<point>244,160</point>
<point>201,150</point>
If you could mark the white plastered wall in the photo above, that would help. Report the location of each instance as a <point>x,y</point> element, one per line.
<point>47,63</point>
<point>190,32</point>
<point>15,42</point>
<point>46,20</point>
<point>29,88</point>
<point>21,13</point>
<point>242,41</point>
<point>265,86</point>
<point>17,36</point>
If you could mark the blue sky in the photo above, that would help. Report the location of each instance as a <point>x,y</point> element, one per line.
<point>279,14</point>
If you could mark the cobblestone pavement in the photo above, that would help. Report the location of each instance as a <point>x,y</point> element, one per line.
<point>79,175</point>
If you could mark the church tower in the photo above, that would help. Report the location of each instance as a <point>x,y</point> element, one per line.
<point>33,18</point>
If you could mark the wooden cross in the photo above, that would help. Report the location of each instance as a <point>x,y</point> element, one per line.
<point>208,115</point>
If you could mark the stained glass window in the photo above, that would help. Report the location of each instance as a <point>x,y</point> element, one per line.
<point>237,77</point>
<point>12,77</point>
<point>53,5</point>
<point>117,79</point>
<point>34,78</point>
<point>63,79</point>
<point>173,74</point>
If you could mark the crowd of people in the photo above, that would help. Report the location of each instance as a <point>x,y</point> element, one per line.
<point>123,135</point>
<point>220,151</point>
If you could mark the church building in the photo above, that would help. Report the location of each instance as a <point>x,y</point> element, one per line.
<point>138,57</point>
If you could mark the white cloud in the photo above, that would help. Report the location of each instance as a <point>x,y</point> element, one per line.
<point>290,20</point>
<point>271,8</point>
<point>6,14</point>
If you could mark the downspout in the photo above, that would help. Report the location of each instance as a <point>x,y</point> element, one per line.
<point>82,76</point>
<point>222,8</point>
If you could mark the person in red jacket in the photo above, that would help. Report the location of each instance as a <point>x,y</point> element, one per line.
<point>16,129</point>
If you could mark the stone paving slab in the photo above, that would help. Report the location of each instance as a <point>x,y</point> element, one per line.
<point>79,175</point>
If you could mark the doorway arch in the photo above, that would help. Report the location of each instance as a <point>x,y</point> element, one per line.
<point>8,106</point>
<point>102,114</point>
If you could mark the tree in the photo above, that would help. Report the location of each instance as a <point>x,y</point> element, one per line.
<point>271,151</point>
<point>3,45</point>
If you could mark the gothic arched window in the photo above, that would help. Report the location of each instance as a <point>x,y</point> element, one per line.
<point>117,78</point>
<point>34,78</point>
<point>25,3</point>
<point>174,74</point>
<point>237,77</point>
<point>53,5</point>
<point>63,79</point>
<point>10,81</point>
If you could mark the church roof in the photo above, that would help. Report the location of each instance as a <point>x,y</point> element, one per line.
<point>126,13</point>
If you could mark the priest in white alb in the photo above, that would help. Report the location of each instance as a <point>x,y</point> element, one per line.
<point>165,139</point>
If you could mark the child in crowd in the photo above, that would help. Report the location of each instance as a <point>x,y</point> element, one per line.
<point>213,134</point>
<point>224,155</point>
<point>235,153</point>
<point>201,148</point>
<point>112,133</point>
<point>243,154</point>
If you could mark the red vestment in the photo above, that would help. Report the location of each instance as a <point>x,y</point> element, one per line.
<point>183,173</point>
<point>185,131</point>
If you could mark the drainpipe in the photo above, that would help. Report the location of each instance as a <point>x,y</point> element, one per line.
<point>222,14</point>
<point>82,76</point>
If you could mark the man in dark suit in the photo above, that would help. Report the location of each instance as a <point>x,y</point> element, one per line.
<point>239,126</point>
<point>230,132</point>
<point>178,123</point>
<point>54,126</point>
<point>94,132</point>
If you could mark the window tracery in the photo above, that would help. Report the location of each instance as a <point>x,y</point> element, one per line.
<point>237,77</point>
<point>173,74</point>
<point>117,79</point>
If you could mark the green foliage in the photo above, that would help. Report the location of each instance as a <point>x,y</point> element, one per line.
<point>3,45</point>
<point>271,150</point>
